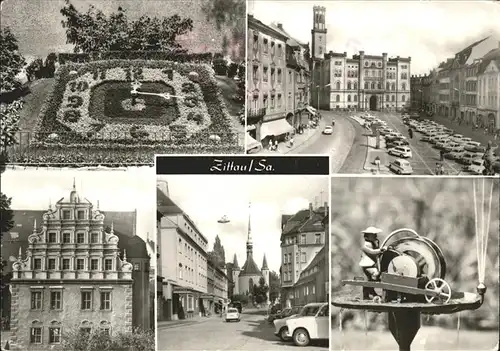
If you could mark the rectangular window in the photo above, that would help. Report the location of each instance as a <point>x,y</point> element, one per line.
<point>66,238</point>
<point>80,264</point>
<point>317,239</point>
<point>65,264</point>
<point>80,238</point>
<point>52,237</point>
<point>52,263</point>
<point>81,214</point>
<point>94,264</point>
<point>304,257</point>
<point>36,300</point>
<point>108,264</point>
<point>137,267</point>
<point>303,239</point>
<point>55,300</point>
<point>94,238</point>
<point>105,300</point>
<point>86,300</point>
<point>36,335</point>
<point>284,258</point>
<point>297,257</point>
<point>37,263</point>
<point>66,214</point>
<point>55,335</point>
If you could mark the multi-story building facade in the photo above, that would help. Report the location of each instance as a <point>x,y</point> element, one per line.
<point>266,82</point>
<point>217,288</point>
<point>298,79</point>
<point>457,85</point>
<point>182,263</point>
<point>488,97</point>
<point>362,82</point>
<point>417,91</point>
<point>313,283</point>
<point>302,238</point>
<point>71,274</point>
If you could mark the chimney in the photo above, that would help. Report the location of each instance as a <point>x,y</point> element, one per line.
<point>280,26</point>
<point>163,186</point>
<point>310,209</point>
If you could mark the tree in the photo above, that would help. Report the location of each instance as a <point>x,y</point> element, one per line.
<point>12,61</point>
<point>260,291</point>
<point>241,298</point>
<point>274,286</point>
<point>9,127</point>
<point>34,69</point>
<point>50,65</point>
<point>93,31</point>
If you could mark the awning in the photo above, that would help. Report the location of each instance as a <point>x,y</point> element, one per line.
<point>310,110</point>
<point>251,127</point>
<point>276,127</point>
<point>251,142</point>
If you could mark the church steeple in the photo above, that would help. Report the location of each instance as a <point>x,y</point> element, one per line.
<point>235,263</point>
<point>264,263</point>
<point>249,238</point>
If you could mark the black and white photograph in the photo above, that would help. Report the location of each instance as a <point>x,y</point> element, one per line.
<point>118,81</point>
<point>394,87</point>
<point>242,262</point>
<point>78,260</point>
<point>414,263</point>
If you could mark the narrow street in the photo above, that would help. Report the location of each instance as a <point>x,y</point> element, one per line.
<point>213,333</point>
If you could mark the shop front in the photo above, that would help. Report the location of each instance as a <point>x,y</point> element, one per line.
<point>186,303</point>
<point>275,130</point>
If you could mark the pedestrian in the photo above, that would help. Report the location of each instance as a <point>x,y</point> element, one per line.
<point>441,155</point>
<point>410,133</point>
<point>276,145</point>
<point>270,145</point>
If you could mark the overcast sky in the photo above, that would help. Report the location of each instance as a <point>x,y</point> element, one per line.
<point>37,23</point>
<point>116,191</point>
<point>428,31</point>
<point>207,198</point>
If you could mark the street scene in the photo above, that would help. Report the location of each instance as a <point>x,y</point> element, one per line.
<point>113,83</point>
<point>242,262</point>
<point>409,270</point>
<point>374,101</point>
<point>78,268</point>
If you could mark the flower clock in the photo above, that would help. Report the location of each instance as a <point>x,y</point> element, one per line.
<point>133,103</point>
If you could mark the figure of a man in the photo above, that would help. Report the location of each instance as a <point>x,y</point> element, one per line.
<point>370,253</point>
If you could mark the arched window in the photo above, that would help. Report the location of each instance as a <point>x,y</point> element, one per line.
<point>379,85</point>
<point>355,98</point>
<point>355,86</point>
<point>403,98</point>
<point>373,85</point>
<point>348,98</point>
<point>349,86</point>
<point>393,86</point>
<point>393,98</point>
<point>366,85</point>
<point>338,85</point>
<point>337,98</point>
<point>404,86</point>
<point>387,86</point>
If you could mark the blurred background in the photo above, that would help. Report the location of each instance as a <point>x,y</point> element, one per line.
<point>441,209</point>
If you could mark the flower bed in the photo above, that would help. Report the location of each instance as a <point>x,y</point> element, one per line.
<point>92,104</point>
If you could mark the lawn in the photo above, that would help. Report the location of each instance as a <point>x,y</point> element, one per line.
<point>427,339</point>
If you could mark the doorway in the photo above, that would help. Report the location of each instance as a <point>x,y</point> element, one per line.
<point>373,103</point>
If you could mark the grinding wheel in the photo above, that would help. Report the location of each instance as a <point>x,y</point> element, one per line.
<point>405,266</point>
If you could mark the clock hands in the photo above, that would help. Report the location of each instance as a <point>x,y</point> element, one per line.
<point>167,96</point>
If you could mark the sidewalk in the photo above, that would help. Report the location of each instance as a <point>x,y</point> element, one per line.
<point>298,140</point>
<point>372,152</point>
<point>181,322</point>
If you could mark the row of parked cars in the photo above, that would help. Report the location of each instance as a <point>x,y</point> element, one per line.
<point>455,146</point>
<point>396,144</point>
<point>302,324</point>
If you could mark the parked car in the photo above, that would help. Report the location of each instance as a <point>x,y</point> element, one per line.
<point>397,142</point>
<point>400,166</point>
<point>438,138</point>
<point>392,136</point>
<point>468,157</point>
<point>312,324</point>
<point>400,151</point>
<point>280,327</point>
<point>471,145</point>
<point>476,166</point>
<point>232,314</point>
<point>455,155</point>
<point>328,130</point>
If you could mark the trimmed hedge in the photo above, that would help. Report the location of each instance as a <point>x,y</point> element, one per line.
<point>178,56</point>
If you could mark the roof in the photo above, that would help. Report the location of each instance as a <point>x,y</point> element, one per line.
<point>290,41</point>
<point>124,225</point>
<point>492,56</point>
<point>314,223</point>
<point>255,23</point>
<point>319,256</point>
<point>165,204</point>
<point>295,221</point>
<point>250,267</point>
<point>463,55</point>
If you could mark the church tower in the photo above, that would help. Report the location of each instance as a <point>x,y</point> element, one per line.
<point>265,274</point>
<point>318,33</point>
<point>236,274</point>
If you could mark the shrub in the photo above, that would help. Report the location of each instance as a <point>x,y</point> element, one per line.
<point>138,340</point>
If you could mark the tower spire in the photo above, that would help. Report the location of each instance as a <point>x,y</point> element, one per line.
<point>74,184</point>
<point>264,263</point>
<point>249,238</point>
<point>235,262</point>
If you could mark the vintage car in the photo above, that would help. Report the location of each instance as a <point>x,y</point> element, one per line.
<point>280,327</point>
<point>400,166</point>
<point>232,314</point>
<point>400,151</point>
<point>312,324</point>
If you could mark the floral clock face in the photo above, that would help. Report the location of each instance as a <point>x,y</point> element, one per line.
<point>102,104</point>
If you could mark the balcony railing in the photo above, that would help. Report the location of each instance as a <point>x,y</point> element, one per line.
<point>256,112</point>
